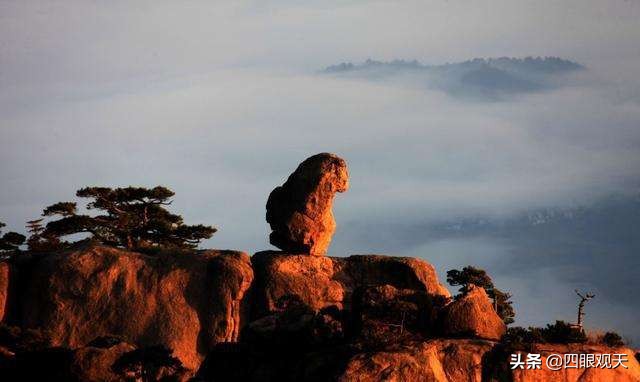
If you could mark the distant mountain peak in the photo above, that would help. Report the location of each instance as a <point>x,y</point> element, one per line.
<point>547,63</point>
<point>478,78</point>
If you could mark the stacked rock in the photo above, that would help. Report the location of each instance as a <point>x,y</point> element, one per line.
<point>299,212</point>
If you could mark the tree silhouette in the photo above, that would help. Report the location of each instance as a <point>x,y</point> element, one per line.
<point>38,241</point>
<point>133,217</point>
<point>612,339</point>
<point>560,332</point>
<point>471,275</point>
<point>583,298</point>
<point>10,241</point>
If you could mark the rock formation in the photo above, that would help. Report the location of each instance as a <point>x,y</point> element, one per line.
<point>92,363</point>
<point>299,212</point>
<point>472,315</point>
<point>435,360</point>
<point>320,282</point>
<point>620,374</point>
<point>185,301</point>
<point>279,316</point>
<point>359,318</point>
<point>4,287</point>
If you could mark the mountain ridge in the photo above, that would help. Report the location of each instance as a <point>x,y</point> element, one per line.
<point>548,63</point>
<point>479,78</point>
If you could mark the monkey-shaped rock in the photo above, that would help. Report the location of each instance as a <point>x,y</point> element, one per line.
<point>299,211</point>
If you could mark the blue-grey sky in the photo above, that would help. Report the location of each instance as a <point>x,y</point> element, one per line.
<point>221,100</point>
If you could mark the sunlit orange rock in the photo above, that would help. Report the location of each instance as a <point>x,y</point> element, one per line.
<point>472,316</point>
<point>299,212</point>
<point>464,360</point>
<point>434,360</point>
<point>4,288</point>
<point>628,372</point>
<point>321,281</point>
<point>185,301</point>
<point>92,363</point>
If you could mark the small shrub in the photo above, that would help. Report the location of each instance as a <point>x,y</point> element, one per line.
<point>563,333</point>
<point>558,333</point>
<point>612,339</point>
<point>521,338</point>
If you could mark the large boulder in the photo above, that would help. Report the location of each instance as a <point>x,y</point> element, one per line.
<point>185,301</point>
<point>299,212</point>
<point>321,282</point>
<point>472,315</point>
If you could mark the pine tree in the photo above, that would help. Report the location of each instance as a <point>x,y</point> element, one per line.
<point>133,217</point>
<point>39,241</point>
<point>10,241</point>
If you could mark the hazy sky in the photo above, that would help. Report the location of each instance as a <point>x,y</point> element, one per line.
<point>221,100</point>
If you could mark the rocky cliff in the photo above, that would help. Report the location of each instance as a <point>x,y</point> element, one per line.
<point>97,313</point>
<point>273,316</point>
<point>186,301</point>
<point>321,282</point>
